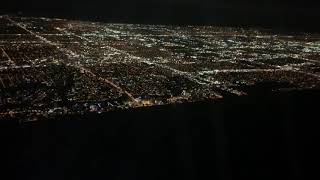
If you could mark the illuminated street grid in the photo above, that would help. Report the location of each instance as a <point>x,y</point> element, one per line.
<point>50,67</point>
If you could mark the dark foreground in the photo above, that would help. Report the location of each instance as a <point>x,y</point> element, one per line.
<point>262,136</point>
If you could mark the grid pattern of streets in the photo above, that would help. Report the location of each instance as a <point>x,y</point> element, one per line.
<point>56,66</point>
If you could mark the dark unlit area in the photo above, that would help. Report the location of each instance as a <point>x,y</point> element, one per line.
<point>265,136</point>
<point>284,15</point>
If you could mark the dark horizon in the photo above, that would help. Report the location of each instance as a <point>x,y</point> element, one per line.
<point>287,15</point>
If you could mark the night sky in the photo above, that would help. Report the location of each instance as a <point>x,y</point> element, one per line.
<point>286,14</point>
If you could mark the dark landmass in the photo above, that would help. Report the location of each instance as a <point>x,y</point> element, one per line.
<point>265,136</point>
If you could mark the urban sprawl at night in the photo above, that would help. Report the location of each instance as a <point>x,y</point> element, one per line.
<point>53,67</point>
